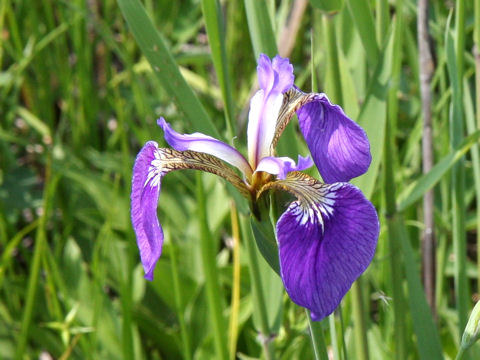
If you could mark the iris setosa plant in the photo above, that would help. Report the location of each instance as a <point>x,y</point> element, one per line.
<point>326,237</point>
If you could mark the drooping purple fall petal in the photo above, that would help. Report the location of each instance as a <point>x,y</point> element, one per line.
<point>144,200</point>
<point>281,166</point>
<point>325,246</point>
<point>339,147</point>
<point>205,144</point>
<point>275,77</point>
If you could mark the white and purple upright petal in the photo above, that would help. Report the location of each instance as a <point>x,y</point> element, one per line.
<point>274,77</point>
<point>205,144</point>
<point>339,147</point>
<point>325,246</point>
<point>147,174</point>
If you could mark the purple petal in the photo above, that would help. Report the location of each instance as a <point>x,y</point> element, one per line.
<point>326,246</point>
<point>205,144</point>
<point>284,72</point>
<point>265,74</point>
<point>144,201</point>
<point>274,77</point>
<point>281,166</point>
<point>339,147</point>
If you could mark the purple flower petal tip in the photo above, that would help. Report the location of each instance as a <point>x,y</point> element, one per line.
<point>177,141</point>
<point>275,75</point>
<point>339,146</point>
<point>162,123</point>
<point>281,166</point>
<point>304,163</point>
<point>284,69</point>
<point>325,247</point>
<point>144,200</point>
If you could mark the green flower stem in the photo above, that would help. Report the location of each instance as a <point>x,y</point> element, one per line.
<point>333,335</point>
<point>257,290</point>
<point>318,339</point>
<point>214,296</point>
<point>361,340</point>
<point>235,302</point>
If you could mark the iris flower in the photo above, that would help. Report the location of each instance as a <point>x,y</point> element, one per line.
<point>327,236</point>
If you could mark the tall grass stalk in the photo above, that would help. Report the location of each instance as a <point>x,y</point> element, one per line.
<point>216,36</point>
<point>265,336</point>
<point>235,302</point>
<point>209,263</point>
<point>360,328</point>
<point>382,20</point>
<point>186,348</point>
<point>33,280</point>
<point>458,173</point>
<point>476,164</point>
<point>394,246</point>
<point>333,335</point>
<point>393,218</point>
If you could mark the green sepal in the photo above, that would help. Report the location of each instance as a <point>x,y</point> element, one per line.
<point>266,241</point>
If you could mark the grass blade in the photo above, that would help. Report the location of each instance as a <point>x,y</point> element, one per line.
<point>373,115</point>
<point>429,345</point>
<point>260,28</point>
<point>363,19</point>
<point>163,64</point>
<point>216,38</point>
<point>416,190</point>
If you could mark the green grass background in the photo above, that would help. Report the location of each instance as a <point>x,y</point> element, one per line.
<point>81,86</point>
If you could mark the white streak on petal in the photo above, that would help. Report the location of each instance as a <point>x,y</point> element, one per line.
<point>274,77</point>
<point>205,144</point>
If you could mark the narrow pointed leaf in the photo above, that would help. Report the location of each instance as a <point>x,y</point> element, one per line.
<point>363,20</point>
<point>216,38</point>
<point>260,28</point>
<point>416,190</point>
<point>163,64</point>
<point>373,116</point>
<point>429,345</point>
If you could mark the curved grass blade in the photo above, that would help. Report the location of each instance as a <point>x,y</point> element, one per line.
<point>429,345</point>
<point>363,19</point>
<point>216,38</point>
<point>260,28</point>
<point>163,64</point>
<point>373,116</point>
<point>416,190</point>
